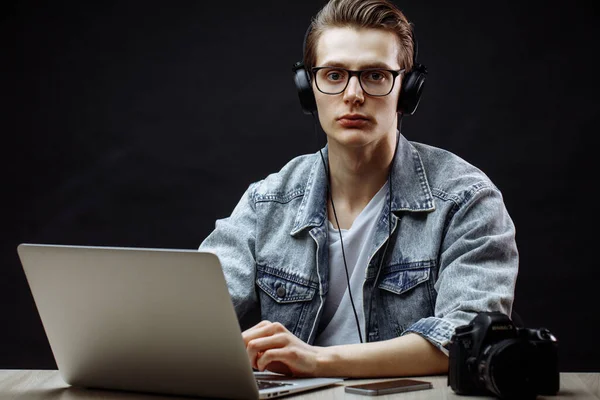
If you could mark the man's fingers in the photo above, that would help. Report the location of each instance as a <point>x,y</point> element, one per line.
<point>262,329</point>
<point>264,336</point>
<point>276,357</point>
<point>271,346</point>
<point>286,360</point>
<point>268,342</point>
<point>279,368</point>
<point>255,332</point>
<point>259,345</point>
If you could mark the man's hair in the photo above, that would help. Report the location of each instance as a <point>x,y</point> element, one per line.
<point>376,14</point>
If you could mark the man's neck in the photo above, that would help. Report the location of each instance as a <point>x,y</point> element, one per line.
<point>357,174</point>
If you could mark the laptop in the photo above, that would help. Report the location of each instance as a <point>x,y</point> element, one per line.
<point>146,320</point>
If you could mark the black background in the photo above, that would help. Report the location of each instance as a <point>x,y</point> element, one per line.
<point>139,123</point>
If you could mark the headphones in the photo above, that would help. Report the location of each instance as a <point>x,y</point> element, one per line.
<point>410,94</point>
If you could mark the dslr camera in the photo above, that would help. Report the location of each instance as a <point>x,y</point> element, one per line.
<point>491,355</point>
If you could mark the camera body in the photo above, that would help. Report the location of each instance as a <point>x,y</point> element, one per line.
<point>492,355</point>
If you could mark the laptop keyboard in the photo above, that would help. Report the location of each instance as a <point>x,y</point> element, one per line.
<point>264,384</point>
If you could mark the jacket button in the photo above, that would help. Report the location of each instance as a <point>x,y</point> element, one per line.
<point>281,291</point>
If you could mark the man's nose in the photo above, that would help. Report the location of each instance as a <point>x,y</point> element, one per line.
<point>354,91</point>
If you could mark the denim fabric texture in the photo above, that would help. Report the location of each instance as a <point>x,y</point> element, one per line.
<point>452,251</point>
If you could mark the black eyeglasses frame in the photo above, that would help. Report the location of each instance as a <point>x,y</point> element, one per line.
<point>357,73</point>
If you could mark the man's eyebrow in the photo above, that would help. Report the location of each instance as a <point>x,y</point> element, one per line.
<point>374,64</point>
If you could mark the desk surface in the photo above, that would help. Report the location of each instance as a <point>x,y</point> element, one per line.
<point>48,385</point>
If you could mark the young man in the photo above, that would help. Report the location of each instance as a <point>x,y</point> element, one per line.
<point>423,236</point>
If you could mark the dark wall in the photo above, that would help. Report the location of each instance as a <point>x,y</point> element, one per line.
<point>139,123</point>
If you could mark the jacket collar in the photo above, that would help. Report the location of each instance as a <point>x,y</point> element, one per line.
<point>411,191</point>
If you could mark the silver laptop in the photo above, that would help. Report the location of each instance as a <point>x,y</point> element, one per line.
<point>145,320</point>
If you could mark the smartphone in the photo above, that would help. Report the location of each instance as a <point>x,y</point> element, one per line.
<point>388,387</point>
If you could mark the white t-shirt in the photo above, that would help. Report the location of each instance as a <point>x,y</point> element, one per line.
<point>338,324</point>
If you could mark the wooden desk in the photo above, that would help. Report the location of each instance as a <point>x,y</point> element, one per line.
<point>48,385</point>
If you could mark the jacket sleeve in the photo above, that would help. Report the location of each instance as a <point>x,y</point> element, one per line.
<point>233,241</point>
<point>478,265</point>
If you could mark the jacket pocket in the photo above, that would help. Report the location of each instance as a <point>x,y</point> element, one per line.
<point>401,278</point>
<point>283,287</point>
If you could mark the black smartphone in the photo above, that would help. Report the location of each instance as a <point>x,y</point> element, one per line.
<point>388,387</point>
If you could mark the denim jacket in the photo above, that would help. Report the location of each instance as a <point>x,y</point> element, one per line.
<point>452,251</point>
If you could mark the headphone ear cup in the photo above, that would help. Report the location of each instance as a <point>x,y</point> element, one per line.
<point>412,89</point>
<point>304,87</point>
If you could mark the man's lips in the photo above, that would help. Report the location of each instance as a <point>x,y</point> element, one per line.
<point>353,120</point>
<point>354,117</point>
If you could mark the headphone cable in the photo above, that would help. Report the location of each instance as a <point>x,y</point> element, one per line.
<point>340,233</point>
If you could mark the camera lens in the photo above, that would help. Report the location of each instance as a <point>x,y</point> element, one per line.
<point>507,370</point>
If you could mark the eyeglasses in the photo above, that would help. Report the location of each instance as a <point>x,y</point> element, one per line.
<point>373,81</point>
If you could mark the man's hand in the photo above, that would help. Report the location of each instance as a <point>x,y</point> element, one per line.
<point>272,347</point>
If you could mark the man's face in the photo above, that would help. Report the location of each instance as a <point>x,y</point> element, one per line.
<point>341,115</point>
